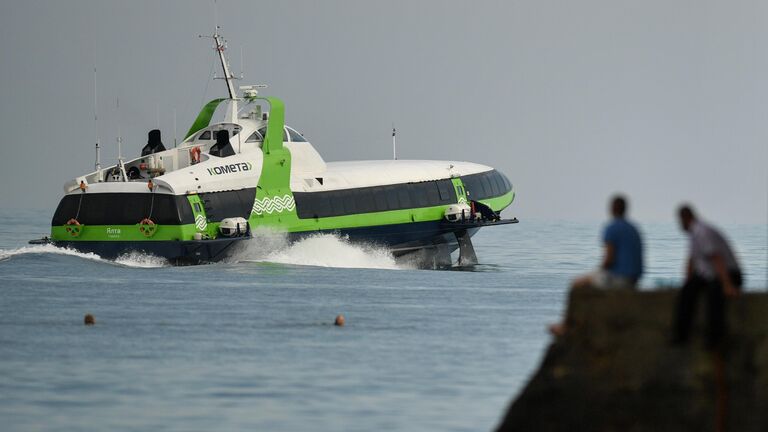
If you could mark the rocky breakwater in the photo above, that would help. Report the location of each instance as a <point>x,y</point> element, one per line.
<point>615,369</point>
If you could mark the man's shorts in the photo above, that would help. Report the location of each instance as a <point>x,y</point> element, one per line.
<point>607,280</point>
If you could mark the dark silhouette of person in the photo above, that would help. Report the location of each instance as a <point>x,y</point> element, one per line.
<point>712,268</point>
<point>134,173</point>
<point>222,148</point>
<point>154,143</point>
<point>486,213</point>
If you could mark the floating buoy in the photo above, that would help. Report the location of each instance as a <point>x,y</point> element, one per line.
<point>89,319</point>
<point>339,320</point>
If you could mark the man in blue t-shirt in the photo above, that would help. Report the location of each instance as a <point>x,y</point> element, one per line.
<point>622,263</point>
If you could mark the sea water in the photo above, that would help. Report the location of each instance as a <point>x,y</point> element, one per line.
<point>249,344</point>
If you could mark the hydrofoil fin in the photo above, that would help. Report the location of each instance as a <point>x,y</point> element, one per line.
<point>467,255</point>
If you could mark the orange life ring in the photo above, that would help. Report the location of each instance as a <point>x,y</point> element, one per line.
<point>73,227</point>
<point>194,155</point>
<point>147,227</point>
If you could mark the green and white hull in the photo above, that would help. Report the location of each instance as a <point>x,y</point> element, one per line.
<point>172,202</point>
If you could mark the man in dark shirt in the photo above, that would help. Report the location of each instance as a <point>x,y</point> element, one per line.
<point>713,269</point>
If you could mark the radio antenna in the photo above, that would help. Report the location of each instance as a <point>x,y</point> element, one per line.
<point>394,142</point>
<point>120,165</point>
<point>174,128</point>
<point>215,17</point>
<point>96,124</point>
<point>119,136</point>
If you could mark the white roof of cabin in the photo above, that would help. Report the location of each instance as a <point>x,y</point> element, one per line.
<point>345,175</point>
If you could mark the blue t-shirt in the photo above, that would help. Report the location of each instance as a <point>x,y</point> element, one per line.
<point>627,248</point>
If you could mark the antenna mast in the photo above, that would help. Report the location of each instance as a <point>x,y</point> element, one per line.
<point>119,136</point>
<point>174,128</point>
<point>96,124</point>
<point>394,142</point>
<point>120,165</point>
<point>220,47</point>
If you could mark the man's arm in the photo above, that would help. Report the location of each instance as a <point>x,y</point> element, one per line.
<point>607,256</point>
<point>722,273</point>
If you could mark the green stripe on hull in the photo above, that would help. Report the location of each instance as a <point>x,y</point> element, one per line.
<point>290,223</point>
<point>124,233</point>
<point>499,203</point>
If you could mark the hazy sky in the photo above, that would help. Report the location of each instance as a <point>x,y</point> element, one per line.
<point>664,100</point>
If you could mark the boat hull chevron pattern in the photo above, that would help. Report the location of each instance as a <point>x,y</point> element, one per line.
<point>200,223</point>
<point>276,204</point>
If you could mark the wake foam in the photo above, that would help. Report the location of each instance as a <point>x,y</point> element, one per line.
<point>320,250</point>
<point>141,260</point>
<point>129,260</point>
<point>6,254</point>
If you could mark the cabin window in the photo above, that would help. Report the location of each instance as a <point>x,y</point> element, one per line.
<point>507,184</point>
<point>445,190</point>
<point>416,195</point>
<point>205,135</point>
<point>373,199</point>
<point>486,185</point>
<point>263,132</point>
<point>337,205</point>
<point>404,197</point>
<point>255,137</point>
<point>123,209</point>
<point>295,136</point>
<point>380,200</point>
<point>391,193</point>
<point>319,206</point>
<point>349,202</point>
<point>500,186</point>
<point>364,200</point>
<point>489,187</point>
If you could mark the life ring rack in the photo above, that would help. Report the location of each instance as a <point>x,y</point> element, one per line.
<point>147,227</point>
<point>73,227</point>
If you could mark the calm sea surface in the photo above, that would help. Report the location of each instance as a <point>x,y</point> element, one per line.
<point>249,344</point>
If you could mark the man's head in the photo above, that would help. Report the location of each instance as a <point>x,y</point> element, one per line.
<point>687,216</point>
<point>618,206</point>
